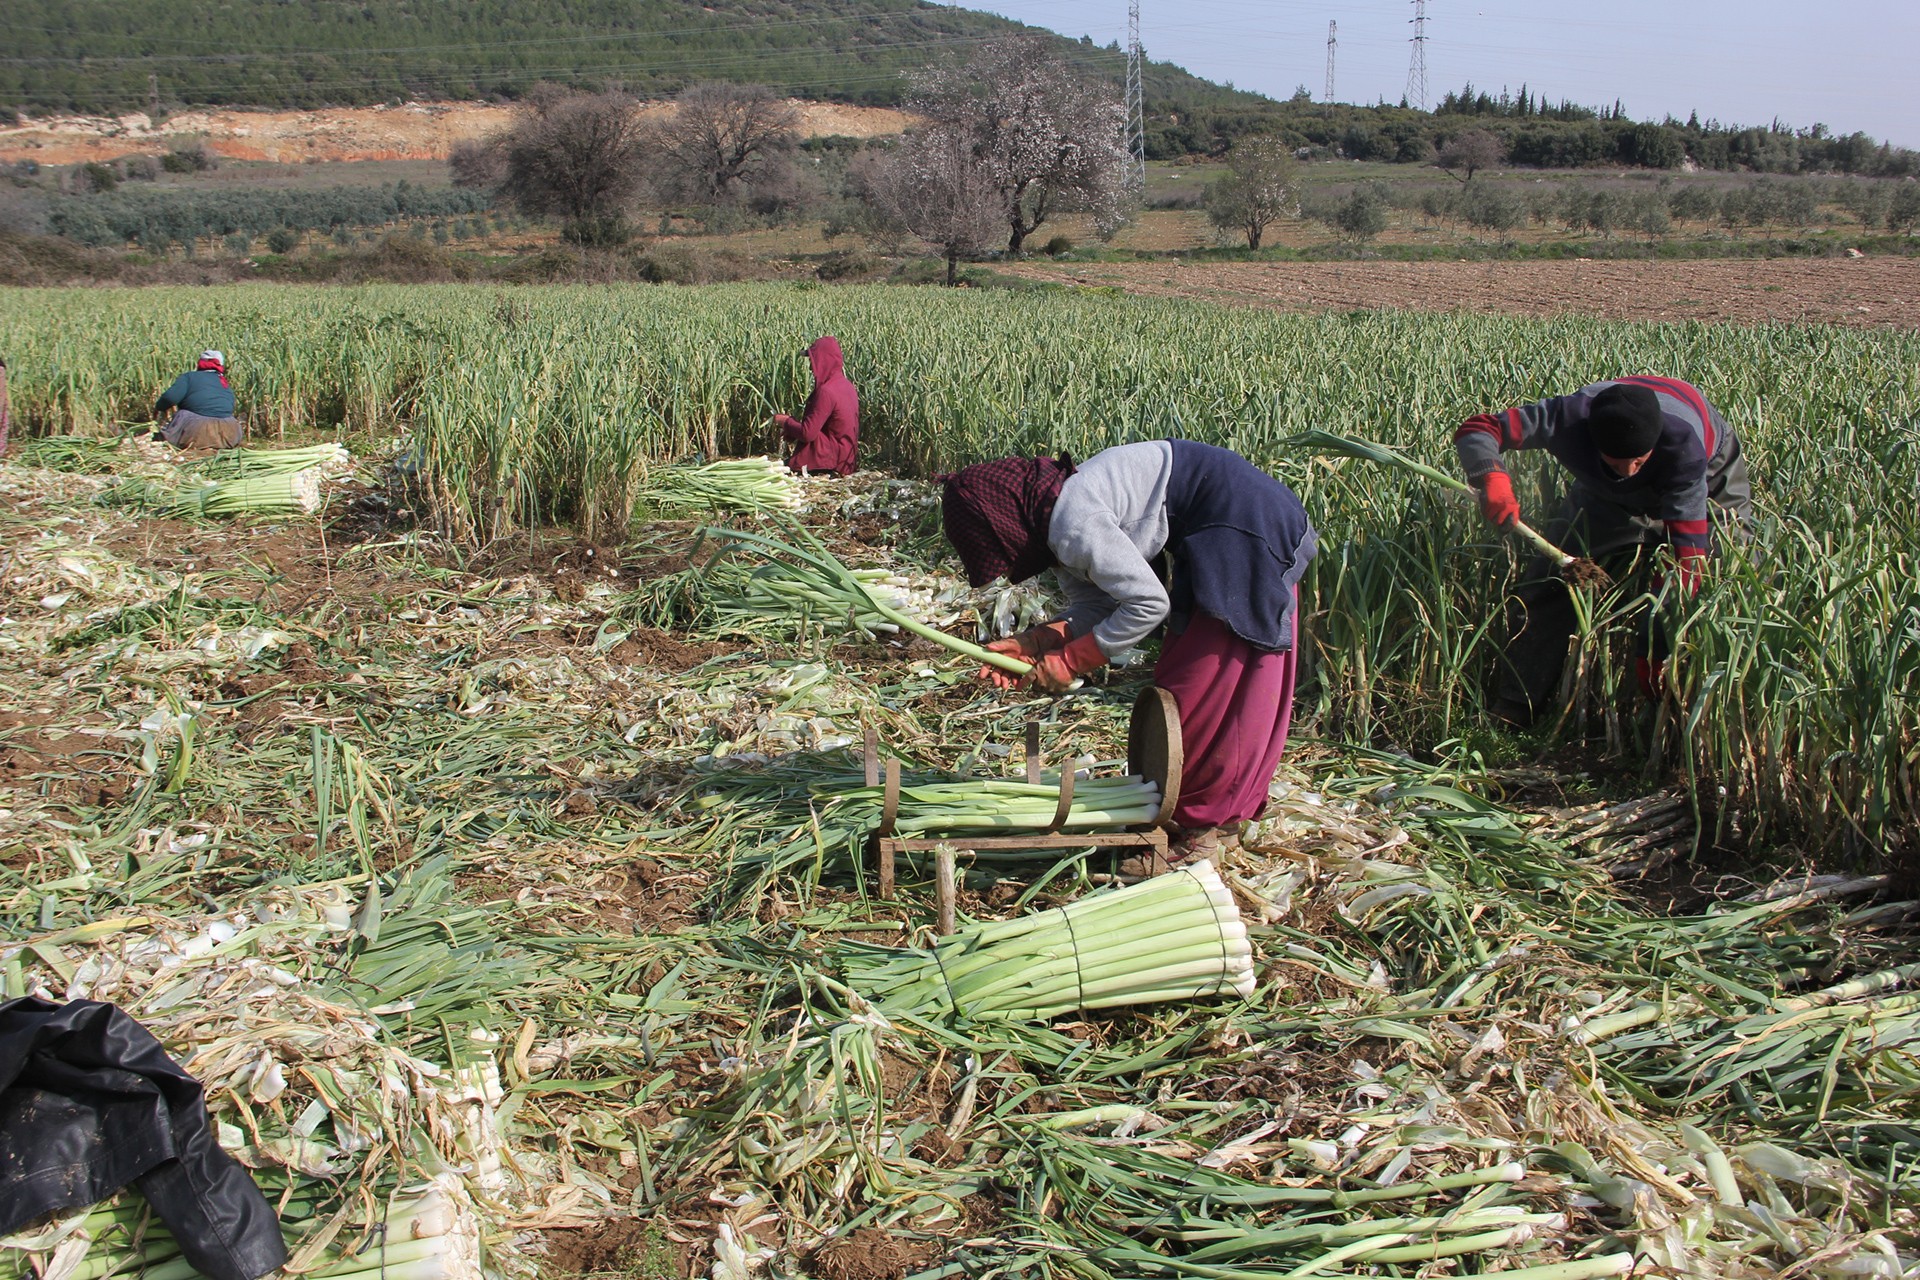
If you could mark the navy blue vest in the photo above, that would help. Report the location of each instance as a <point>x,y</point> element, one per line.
<point>1238,540</point>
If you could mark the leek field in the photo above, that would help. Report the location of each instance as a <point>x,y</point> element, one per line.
<point>493,854</point>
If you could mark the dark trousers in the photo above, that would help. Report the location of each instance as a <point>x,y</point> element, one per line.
<point>1542,616</point>
<point>1541,620</point>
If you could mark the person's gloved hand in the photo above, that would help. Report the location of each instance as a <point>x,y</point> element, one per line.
<point>1651,673</point>
<point>1687,567</point>
<point>1497,502</point>
<point>1056,672</point>
<point>1029,646</point>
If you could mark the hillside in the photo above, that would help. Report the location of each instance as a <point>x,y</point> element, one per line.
<point>114,56</point>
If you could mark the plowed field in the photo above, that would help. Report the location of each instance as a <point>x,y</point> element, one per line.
<point>1852,291</point>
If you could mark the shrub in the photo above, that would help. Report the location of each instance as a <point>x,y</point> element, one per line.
<point>1057,246</point>
<point>282,240</point>
<point>850,264</point>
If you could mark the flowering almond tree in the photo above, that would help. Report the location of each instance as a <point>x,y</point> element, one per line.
<point>936,187</point>
<point>1049,138</point>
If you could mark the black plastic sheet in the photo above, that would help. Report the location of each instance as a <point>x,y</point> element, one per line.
<point>89,1102</point>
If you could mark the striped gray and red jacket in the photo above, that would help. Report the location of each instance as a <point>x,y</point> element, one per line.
<point>1695,447</point>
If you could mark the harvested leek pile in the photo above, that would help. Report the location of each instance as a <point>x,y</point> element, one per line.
<point>1174,937</point>
<point>373,1154</point>
<point>239,482</point>
<point>984,805</point>
<point>752,486</point>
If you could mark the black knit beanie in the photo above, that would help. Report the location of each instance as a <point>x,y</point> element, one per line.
<point>1625,421</point>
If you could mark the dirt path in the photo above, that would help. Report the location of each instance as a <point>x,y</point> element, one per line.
<point>1851,291</point>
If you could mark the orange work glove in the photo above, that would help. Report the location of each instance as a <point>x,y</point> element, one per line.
<point>1497,502</point>
<point>1029,646</point>
<point>1056,672</point>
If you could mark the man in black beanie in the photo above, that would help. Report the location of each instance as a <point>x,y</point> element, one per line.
<point>1651,462</point>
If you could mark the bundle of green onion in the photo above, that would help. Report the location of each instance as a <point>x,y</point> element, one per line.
<point>751,485</point>
<point>273,493</point>
<point>1174,937</point>
<point>828,586</point>
<point>1005,804</point>
<point>422,1235</point>
<point>778,589</point>
<point>239,482</point>
<point>231,464</point>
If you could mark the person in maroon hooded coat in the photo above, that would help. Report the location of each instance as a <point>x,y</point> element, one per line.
<point>826,436</point>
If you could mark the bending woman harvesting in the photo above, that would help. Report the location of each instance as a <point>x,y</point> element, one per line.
<point>1237,541</point>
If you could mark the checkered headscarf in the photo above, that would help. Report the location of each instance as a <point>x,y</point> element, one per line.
<point>997,513</point>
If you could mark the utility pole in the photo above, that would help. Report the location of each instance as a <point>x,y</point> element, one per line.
<point>1136,105</point>
<point>1332,42</point>
<point>1417,68</point>
<point>153,94</point>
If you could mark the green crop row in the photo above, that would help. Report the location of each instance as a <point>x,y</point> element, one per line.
<point>1797,671</point>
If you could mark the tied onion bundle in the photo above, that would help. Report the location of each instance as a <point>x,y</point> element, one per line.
<point>1174,937</point>
<point>272,493</point>
<point>750,485</point>
<point>240,482</point>
<point>232,464</point>
<point>1004,804</point>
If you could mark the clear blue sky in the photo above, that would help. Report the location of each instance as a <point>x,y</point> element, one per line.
<point>1848,64</point>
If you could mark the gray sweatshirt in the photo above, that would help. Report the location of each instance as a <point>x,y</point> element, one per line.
<point>1109,522</point>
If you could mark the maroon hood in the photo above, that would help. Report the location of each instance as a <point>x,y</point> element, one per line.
<point>824,356</point>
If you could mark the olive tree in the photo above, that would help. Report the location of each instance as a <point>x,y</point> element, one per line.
<point>1465,154</point>
<point>1050,139</point>
<point>1261,186</point>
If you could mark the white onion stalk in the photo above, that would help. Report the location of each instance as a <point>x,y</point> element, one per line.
<point>1175,937</point>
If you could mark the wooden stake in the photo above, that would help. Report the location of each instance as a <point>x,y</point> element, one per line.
<point>946,890</point>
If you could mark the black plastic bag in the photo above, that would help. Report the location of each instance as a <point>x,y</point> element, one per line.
<point>90,1101</point>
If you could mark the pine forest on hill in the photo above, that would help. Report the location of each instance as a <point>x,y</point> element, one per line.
<point>99,55</point>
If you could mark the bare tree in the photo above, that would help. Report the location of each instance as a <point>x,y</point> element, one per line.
<point>567,154</point>
<point>1472,151</point>
<point>478,162</point>
<point>935,186</point>
<point>1050,138</point>
<point>723,141</point>
<point>1261,186</point>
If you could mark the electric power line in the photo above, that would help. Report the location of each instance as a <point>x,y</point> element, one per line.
<point>1136,104</point>
<point>1332,42</point>
<point>1417,68</point>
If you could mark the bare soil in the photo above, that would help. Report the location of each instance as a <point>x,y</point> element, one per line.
<point>869,1253</point>
<point>1865,291</point>
<point>412,131</point>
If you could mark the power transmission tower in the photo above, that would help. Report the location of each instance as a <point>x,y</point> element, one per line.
<point>1332,42</point>
<point>1417,69</point>
<point>1136,104</point>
